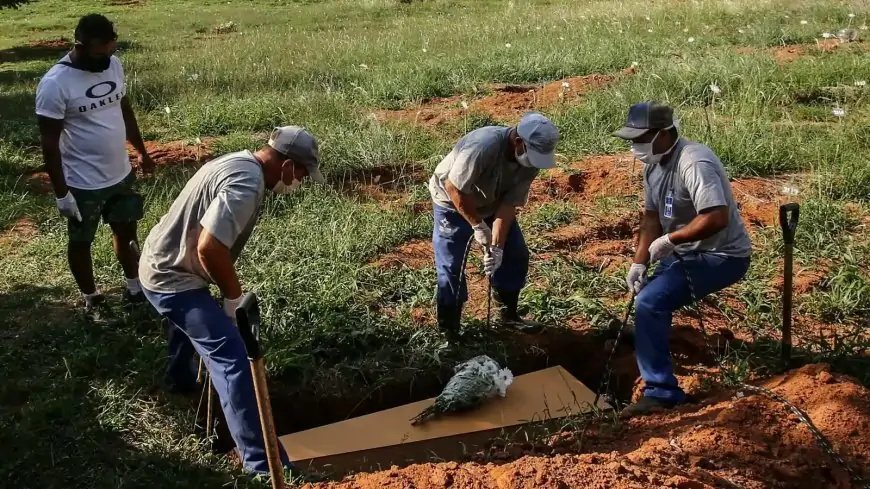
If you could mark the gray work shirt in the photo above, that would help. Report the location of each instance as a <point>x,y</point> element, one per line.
<point>478,165</point>
<point>698,181</point>
<point>224,198</point>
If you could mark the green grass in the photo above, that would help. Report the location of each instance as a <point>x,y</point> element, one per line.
<point>81,404</point>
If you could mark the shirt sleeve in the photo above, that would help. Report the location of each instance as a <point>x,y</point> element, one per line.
<point>648,202</point>
<point>231,210</point>
<point>467,166</point>
<point>704,185</point>
<point>50,101</point>
<point>518,196</point>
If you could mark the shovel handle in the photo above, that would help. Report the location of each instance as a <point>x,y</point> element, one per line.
<point>788,220</point>
<point>248,320</point>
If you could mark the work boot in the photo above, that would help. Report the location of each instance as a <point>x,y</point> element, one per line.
<point>508,314</point>
<point>646,405</point>
<point>449,317</point>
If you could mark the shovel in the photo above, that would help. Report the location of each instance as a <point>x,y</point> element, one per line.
<point>788,220</point>
<point>248,320</point>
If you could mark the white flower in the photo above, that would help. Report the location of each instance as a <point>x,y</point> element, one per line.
<point>634,64</point>
<point>507,45</point>
<point>839,112</point>
<point>861,83</point>
<point>827,35</point>
<point>197,141</point>
<point>647,18</point>
<point>864,27</point>
<point>740,31</point>
<point>562,38</point>
<point>538,28</point>
<point>803,22</point>
<point>677,22</point>
<point>715,88</point>
<point>194,77</point>
<point>566,85</point>
<point>691,39</point>
<point>851,16</point>
<point>686,29</point>
<point>364,66</point>
<point>620,31</point>
<point>465,105</point>
<point>649,30</point>
<point>424,50</point>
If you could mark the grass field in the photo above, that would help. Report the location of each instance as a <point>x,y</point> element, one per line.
<point>347,330</point>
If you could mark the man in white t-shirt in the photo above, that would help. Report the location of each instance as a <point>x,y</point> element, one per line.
<point>84,121</point>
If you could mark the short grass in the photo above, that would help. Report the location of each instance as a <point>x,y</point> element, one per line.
<point>81,403</point>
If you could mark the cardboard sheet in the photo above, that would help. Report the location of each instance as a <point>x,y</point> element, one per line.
<point>537,396</point>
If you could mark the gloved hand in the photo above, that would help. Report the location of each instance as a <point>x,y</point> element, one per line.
<point>482,234</point>
<point>230,306</point>
<point>636,277</point>
<point>68,207</point>
<point>492,259</point>
<point>661,248</point>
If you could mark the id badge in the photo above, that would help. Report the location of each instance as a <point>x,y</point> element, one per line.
<point>669,205</point>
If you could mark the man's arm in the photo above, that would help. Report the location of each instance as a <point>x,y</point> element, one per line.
<point>49,135</point>
<point>464,203</point>
<point>135,136</point>
<point>504,219</point>
<point>650,229</point>
<point>218,264</point>
<point>707,223</point>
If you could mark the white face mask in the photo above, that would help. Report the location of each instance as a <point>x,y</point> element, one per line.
<point>644,151</point>
<point>523,159</point>
<point>282,188</point>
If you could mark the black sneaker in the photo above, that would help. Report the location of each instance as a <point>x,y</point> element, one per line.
<point>647,405</point>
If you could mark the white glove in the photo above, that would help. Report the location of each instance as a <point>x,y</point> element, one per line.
<point>230,306</point>
<point>492,259</point>
<point>68,207</point>
<point>482,234</point>
<point>661,248</point>
<point>636,277</point>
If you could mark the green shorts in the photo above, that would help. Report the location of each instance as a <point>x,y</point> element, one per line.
<point>119,203</point>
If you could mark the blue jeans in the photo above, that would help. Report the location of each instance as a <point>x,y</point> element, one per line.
<point>666,292</point>
<point>198,323</point>
<point>450,235</point>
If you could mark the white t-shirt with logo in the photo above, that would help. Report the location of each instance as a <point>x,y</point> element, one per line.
<point>93,142</point>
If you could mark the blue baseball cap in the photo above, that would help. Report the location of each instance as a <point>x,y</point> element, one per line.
<point>645,116</point>
<point>541,137</point>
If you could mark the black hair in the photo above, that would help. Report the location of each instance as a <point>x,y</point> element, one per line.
<point>95,27</point>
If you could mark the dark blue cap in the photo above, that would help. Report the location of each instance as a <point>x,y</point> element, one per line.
<point>646,116</point>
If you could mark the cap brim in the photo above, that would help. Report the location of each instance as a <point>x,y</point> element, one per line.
<point>315,175</point>
<point>541,161</point>
<point>630,133</point>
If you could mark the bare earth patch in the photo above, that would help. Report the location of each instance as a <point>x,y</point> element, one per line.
<point>789,53</point>
<point>22,230</point>
<point>175,152</point>
<point>506,103</point>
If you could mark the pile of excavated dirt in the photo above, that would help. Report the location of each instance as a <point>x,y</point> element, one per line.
<point>732,439</point>
<point>792,52</point>
<point>506,103</point>
<point>175,152</point>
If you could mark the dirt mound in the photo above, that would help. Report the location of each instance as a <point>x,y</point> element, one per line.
<point>388,184</point>
<point>414,254</point>
<point>506,103</point>
<point>590,178</point>
<point>175,152</point>
<point>733,440</point>
<point>759,198</point>
<point>23,229</point>
<point>792,52</point>
<point>33,50</point>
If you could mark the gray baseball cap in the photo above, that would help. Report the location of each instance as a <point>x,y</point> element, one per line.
<point>644,117</point>
<point>300,146</point>
<point>541,137</point>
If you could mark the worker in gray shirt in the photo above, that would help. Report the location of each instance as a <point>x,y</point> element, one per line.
<point>195,244</point>
<point>476,190</point>
<point>691,228</point>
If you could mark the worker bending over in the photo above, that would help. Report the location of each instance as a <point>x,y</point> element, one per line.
<point>689,210</point>
<point>196,243</point>
<point>476,190</point>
